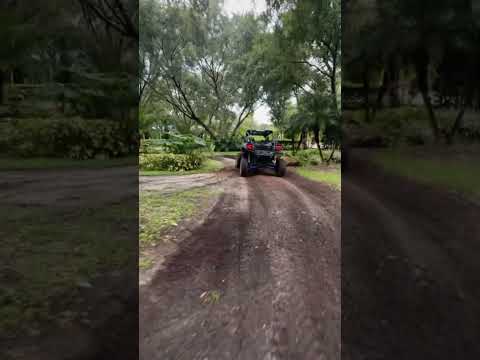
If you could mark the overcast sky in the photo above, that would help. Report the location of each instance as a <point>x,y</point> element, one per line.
<point>262,114</point>
<point>243,6</point>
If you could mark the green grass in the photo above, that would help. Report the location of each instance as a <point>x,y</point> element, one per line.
<point>48,252</point>
<point>226,153</point>
<point>209,165</point>
<point>145,263</point>
<point>331,177</point>
<point>11,163</point>
<point>459,175</point>
<point>160,212</point>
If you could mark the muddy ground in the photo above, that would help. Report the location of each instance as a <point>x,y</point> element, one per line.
<point>259,279</point>
<point>410,269</point>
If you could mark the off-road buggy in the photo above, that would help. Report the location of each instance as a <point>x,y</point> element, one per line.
<point>263,153</point>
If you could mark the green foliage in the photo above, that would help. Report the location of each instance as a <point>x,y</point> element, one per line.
<point>74,138</point>
<point>173,143</point>
<point>198,63</point>
<point>226,144</point>
<point>16,163</point>
<point>208,166</point>
<point>171,162</point>
<point>306,157</point>
<point>391,127</point>
<point>456,172</point>
<point>160,212</point>
<point>331,177</point>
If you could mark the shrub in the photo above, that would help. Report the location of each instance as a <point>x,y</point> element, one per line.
<point>74,138</point>
<point>171,162</point>
<point>173,143</point>
<point>226,144</point>
<point>306,157</point>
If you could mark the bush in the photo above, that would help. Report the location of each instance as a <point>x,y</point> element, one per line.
<point>306,157</point>
<point>75,138</point>
<point>391,126</point>
<point>224,145</point>
<point>173,143</point>
<point>171,162</point>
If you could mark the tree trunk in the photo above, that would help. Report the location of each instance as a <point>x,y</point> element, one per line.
<point>456,126</point>
<point>394,78</point>
<point>366,93</point>
<point>421,68</point>
<point>331,155</point>
<point>2,83</point>
<point>381,92</point>
<point>316,136</point>
<point>301,141</point>
<point>333,86</point>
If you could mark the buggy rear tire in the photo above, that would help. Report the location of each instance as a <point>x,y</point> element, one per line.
<point>237,162</point>
<point>281,168</point>
<point>243,167</point>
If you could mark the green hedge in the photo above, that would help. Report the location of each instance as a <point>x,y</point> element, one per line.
<point>173,143</point>
<point>74,138</point>
<point>171,162</point>
<point>305,157</point>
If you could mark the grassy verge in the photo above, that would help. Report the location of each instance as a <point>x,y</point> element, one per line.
<point>209,165</point>
<point>9,163</point>
<point>227,153</point>
<point>311,156</point>
<point>328,176</point>
<point>160,212</point>
<point>52,253</point>
<point>459,175</point>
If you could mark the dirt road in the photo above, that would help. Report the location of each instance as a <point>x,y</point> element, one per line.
<point>170,184</point>
<point>260,279</point>
<point>410,269</point>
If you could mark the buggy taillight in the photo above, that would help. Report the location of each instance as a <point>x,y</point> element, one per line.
<point>278,147</point>
<point>250,147</point>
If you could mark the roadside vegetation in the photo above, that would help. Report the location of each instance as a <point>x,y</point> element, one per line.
<point>66,102</point>
<point>415,105</point>
<point>59,99</point>
<point>449,170</point>
<point>77,247</point>
<point>207,166</point>
<point>161,213</point>
<point>331,176</point>
<point>46,163</point>
<point>199,91</point>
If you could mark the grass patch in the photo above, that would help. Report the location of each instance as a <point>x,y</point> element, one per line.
<point>47,254</point>
<point>210,297</point>
<point>310,157</point>
<point>160,212</point>
<point>10,163</point>
<point>227,153</point>
<point>145,263</point>
<point>209,165</point>
<point>459,175</point>
<point>331,177</point>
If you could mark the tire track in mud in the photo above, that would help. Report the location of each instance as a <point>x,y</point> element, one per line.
<point>272,253</point>
<point>306,304</point>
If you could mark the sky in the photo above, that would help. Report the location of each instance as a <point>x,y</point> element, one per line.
<point>242,6</point>
<point>262,113</point>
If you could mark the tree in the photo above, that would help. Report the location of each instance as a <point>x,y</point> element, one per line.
<point>199,62</point>
<point>305,63</point>
<point>120,15</point>
<point>432,37</point>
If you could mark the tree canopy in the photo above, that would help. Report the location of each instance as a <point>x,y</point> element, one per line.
<point>209,70</point>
